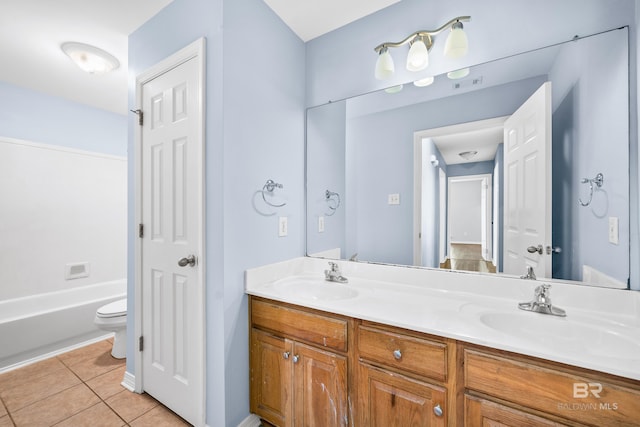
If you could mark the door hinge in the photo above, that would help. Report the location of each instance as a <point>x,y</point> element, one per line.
<point>140,230</point>
<point>140,115</point>
<point>141,343</point>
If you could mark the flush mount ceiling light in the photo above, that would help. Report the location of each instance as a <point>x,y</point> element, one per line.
<point>89,58</point>
<point>468,154</point>
<point>421,43</point>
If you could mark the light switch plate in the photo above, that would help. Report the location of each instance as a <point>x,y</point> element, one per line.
<point>283,226</point>
<point>320,224</point>
<point>614,232</point>
<point>394,199</point>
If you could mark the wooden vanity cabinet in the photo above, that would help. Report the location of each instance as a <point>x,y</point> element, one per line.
<point>508,389</point>
<point>298,366</point>
<point>312,368</point>
<point>402,378</point>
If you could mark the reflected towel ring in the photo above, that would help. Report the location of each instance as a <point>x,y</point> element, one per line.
<point>333,201</point>
<point>269,187</point>
<point>598,180</point>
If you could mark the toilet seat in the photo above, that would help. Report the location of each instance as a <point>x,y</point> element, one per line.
<point>114,309</point>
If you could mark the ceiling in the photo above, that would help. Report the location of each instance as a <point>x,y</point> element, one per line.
<point>31,32</point>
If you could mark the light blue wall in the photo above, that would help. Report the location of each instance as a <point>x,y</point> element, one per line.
<point>254,132</point>
<point>587,86</point>
<point>38,117</point>
<point>326,145</point>
<point>340,64</point>
<point>473,168</point>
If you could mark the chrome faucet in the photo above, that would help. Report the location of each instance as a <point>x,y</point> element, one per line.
<point>334,274</point>
<point>530,274</point>
<point>542,303</point>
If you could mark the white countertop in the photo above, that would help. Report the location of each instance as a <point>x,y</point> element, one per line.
<point>601,330</point>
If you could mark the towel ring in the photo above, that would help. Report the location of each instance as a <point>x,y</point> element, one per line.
<point>269,187</point>
<point>598,180</point>
<point>333,201</point>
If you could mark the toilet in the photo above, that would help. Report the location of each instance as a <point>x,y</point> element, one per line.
<point>112,317</point>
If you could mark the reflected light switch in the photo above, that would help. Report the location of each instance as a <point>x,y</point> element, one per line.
<point>614,235</point>
<point>321,224</point>
<point>394,199</point>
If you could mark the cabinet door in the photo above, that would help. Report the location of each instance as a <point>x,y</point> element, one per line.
<point>480,412</point>
<point>389,399</point>
<point>271,381</point>
<point>320,383</point>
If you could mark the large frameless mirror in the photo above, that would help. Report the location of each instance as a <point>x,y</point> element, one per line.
<point>425,176</point>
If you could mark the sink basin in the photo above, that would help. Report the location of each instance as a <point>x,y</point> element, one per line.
<point>314,289</point>
<point>567,333</point>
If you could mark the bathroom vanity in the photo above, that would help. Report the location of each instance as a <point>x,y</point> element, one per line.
<point>421,347</point>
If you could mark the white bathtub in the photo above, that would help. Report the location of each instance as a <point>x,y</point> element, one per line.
<point>35,326</point>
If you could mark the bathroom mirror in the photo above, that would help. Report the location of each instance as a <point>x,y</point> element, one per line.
<point>416,175</point>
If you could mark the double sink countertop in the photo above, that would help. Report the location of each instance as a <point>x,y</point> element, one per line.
<point>601,330</point>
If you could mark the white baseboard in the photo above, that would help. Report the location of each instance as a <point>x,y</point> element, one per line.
<point>129,382</point>
<point>251,421</point>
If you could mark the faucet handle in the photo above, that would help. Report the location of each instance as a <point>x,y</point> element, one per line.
<point>334,266</point>
<point>542,294</point>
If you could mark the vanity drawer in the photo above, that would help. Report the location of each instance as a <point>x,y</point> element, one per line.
<point>313,327</point>
<point>401,351</point>
<point>588,397</point>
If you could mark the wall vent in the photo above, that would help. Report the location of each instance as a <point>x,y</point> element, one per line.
<point>76,270</point>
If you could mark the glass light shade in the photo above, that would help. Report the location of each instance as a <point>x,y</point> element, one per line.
<point>457,44</point>
<point>418,57</point>
<point>394,89</point>
<point>90,58</point>
<point>424,82</point>
<point>384,65</point>
<point>458,74</point>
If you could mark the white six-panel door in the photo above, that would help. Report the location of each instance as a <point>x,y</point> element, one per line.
<point>527,185</point>
<point>171,213</point>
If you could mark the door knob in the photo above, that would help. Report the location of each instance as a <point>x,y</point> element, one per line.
<point>190,260</point>
<point>553,250</point>
<point>534,249</point>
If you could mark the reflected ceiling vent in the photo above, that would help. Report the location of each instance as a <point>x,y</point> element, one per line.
<point>477,81</point>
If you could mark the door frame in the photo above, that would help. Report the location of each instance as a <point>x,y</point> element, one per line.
<point>195,50</point>
<point>487,207</point>
<point>418,136</point>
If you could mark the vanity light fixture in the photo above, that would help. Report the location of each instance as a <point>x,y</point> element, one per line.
<point>458,74</point>
<point>467,154</point>
<point>424,82</point>
<point>421,42</point>
<point>89,58</point>
<point>394,89</point>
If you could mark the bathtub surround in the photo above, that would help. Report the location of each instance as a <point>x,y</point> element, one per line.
<point>62,209</point>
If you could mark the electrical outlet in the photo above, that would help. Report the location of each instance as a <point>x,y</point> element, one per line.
<point>321,224</point>
<point>283,226</point>
<point>614,234</point>
<point>394,199</point>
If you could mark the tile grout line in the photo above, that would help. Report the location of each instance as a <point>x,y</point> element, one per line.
<point>92,391</point>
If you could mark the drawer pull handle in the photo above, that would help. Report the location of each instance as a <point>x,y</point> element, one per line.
<point>286,355</point>
<point>296,358</point>
<point>437,410</point>
<point>397,354</point>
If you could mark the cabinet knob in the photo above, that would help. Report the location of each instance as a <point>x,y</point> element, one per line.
<point>397,354</point>
<point>437,410</point>
<point>296,358</point>
<point>286,355</point>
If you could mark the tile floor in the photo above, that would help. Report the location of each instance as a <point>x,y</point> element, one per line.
<point>76,389</point>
